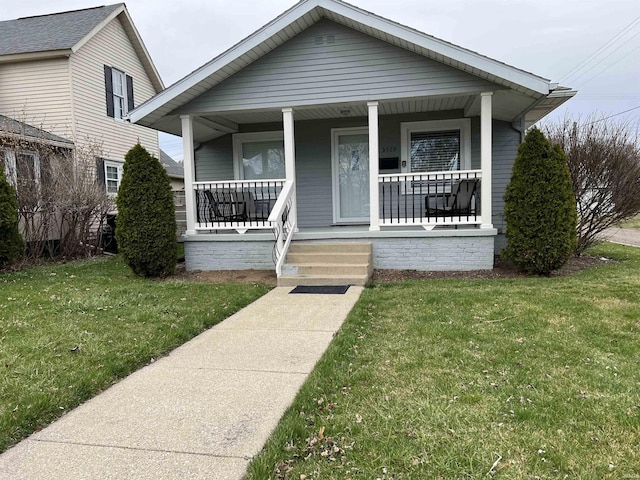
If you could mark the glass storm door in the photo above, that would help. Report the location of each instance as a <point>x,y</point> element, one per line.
<point>351,175</point>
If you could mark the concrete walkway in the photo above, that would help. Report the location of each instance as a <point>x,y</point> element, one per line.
<point>625,236</point>
<point>203,411</point>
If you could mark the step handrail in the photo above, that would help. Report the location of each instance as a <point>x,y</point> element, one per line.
<point>284,224</point>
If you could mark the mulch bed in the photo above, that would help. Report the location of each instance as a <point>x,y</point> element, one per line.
<point>502,269</point>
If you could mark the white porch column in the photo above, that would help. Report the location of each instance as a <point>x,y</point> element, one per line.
<point>290,158</point>
<point>189,172</point>
<point>374,191</point>
<point>486,144</point>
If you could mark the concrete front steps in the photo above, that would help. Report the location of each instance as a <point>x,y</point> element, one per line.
<point>327,263</point>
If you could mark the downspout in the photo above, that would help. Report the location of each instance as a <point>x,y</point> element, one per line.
<point>519,126</point>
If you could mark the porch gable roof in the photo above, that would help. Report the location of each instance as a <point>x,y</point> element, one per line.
<point>155,111</point>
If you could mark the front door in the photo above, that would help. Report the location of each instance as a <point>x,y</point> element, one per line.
<point>350,162</point>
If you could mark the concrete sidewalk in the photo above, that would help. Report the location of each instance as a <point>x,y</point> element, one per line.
<point>201,412</point>
<point>624,236</point>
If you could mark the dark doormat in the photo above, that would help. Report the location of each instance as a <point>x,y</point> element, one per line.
<point>322,290</point>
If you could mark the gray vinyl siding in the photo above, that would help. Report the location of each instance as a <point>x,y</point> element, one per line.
<point>505,148</point>
<point>214,160</point>
<point>354,67</point>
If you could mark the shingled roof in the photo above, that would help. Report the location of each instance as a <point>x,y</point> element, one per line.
<point>56,31</point>
<point>174,169</point>
<point>10,126</point>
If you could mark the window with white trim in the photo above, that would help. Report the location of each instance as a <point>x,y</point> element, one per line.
<point>436,146</point>
<point>22,168</point>
<point>258,155</point>
<point>119,92</point>
<point>112,176</point>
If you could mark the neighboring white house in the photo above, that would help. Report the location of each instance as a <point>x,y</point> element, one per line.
<point>76,75</point>
<point>332,124</point>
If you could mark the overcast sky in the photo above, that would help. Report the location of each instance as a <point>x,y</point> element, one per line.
<point>547,37</point>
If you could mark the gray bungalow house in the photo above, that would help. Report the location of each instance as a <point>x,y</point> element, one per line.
<point>333,141</point>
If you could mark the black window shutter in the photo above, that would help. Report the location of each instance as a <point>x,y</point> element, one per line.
<point>100,171</point>
<point>129,93</point>
<point>108,84</point>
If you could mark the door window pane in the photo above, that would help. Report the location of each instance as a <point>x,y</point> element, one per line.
<point>353,176</point>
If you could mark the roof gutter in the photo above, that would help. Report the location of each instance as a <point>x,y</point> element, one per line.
<point>25,57</point>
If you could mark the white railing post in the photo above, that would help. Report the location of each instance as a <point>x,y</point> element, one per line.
<point>374,190</point>
<point>189,169</point>
<point>290,157</point>
<point>486,145</point>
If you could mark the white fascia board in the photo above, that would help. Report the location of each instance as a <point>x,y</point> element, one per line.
<point>97,28</point>
<point>225,58</point>
<point>134,38</point>
<point>467,57</point>
<point>26,57</point>
<point>140,48</point>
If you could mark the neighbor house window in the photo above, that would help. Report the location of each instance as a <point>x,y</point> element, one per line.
<point>259,156</point>
<point>436,146</point>
<point>112,176</point>
<point>119,92</point>
<point>22,168</point>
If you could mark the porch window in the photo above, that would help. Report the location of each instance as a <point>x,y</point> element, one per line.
<point>436,146</point>
<point>259,155</point>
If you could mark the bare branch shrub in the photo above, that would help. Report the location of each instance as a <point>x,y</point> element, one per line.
<point>61,205</point>
<point>604,162</point>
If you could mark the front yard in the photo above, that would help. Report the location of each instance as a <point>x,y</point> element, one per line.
<point>634,223</point>
<point>69,331</point>
<point>478,378</point>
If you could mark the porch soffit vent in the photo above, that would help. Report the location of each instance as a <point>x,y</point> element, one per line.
<point>325,39</point>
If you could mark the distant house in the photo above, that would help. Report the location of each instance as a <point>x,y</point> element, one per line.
<point>332,126</point>
<point>22,156</point>
<point>76,75</point>
<point>174,169</point>
<point>176,174</point>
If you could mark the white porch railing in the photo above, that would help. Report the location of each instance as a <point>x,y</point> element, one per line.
<point>284,224</point>
<point>430,199</point>
<point>235,205</point>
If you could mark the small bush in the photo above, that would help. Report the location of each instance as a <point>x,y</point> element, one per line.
<point>146,223</point>
<point>540,208</point>
<point>11,244</point>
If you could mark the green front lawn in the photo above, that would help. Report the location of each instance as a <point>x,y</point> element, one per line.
<point>461,379</point>
<point>69,331</point>
<point>633,223</point>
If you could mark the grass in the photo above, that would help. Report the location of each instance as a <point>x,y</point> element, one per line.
<point>69,331</point>
<point>462,379</point>
<point>634,223</point>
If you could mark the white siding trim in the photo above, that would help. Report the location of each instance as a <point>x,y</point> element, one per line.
<point>189,173</point>
<point>486,146</point>
<point>374,153</point>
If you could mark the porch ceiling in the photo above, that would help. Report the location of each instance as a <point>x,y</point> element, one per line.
<point>507,105</point>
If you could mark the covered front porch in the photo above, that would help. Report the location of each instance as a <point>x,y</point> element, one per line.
<point>375,185</point>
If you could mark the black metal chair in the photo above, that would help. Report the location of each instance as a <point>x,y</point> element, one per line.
<point>459,203</point>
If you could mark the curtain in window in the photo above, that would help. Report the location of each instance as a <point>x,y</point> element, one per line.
<point>263,160</point>
<point>435,151</point>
